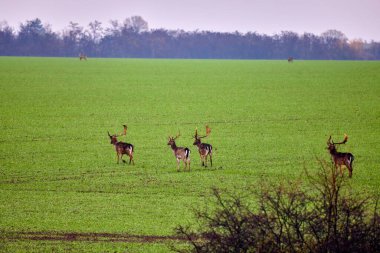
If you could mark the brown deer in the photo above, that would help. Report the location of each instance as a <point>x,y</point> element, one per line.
<point>290,59</point>
<point>82,56</point>
<point>204,149</point>
<point>122,148</point>
<point>340,159</point>
<point>180,153</point>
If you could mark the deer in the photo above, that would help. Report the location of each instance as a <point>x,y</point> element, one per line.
<point>180,153</point>
<point>290,59</point>
<point>340,159</point>
<point>204,149</point>
<point>82,56</point>
<point>122,148</point>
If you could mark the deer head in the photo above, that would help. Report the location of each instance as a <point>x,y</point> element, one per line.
<point>198,138</point>
<point>113,137</point>
<point>172,139</point>
<point>331,144</point>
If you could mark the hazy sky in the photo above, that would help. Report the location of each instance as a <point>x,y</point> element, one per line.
<point>355,18</point>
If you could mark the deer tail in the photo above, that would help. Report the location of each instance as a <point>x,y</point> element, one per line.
<point>187,153</point>
<point>352,157</point>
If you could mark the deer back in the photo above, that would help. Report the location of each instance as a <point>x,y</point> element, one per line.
<point>124,148</point>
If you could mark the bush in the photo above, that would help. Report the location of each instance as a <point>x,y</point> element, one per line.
<point>321,216</point>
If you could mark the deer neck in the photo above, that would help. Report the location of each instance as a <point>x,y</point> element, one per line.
<point>333,151</point>
<point>173,146</point>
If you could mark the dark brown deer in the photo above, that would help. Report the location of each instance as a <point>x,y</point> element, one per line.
<point>82,56</point>
<point>122,148</point>
<point>180,153</point>
<point>290,59</point>
<point>340,159</point>
<point>204,149</point>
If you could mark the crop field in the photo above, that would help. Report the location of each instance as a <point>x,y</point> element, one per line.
<point>62,190</point>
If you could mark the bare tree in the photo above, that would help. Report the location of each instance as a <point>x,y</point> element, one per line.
<point>334,35</point>
<point>115,28</point>
<point>74,31</point>
<point>139,24</point>
<point>96,31</point>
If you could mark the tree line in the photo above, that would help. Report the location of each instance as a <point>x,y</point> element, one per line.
<point>133,38</point>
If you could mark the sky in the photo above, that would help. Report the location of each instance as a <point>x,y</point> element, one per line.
<point>357,19</point>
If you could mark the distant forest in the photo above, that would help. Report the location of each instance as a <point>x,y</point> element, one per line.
<point>132,38</point>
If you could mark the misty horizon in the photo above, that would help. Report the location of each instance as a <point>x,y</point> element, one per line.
<point>356,19</point>
<point>108,25</point>
<point>133,39</point>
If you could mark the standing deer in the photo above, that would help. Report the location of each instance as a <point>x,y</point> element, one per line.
<point>340,159</point>
<point>203,148</point>
<point>82,56</point>
<point>290,59</point>
<point>122,148</point>
<point>180,153</point>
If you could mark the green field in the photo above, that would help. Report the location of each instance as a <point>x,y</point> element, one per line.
<point>269,120</point>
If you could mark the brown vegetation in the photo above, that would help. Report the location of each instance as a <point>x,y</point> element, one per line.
<point>322,216</point>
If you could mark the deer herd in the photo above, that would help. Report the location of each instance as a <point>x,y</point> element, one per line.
<point>205,151</point>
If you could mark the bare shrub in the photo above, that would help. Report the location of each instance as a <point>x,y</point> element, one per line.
<point>321,215</point>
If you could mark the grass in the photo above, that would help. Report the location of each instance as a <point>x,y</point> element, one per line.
<point>269,120</point>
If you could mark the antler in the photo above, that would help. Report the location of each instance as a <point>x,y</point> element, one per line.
<point>196,133</point>
<point>208,131</point>
<point>344,141</point>
<point>178,135</point>
<point>124,131</point>
<point>109,134</point>
<point>329,141</point>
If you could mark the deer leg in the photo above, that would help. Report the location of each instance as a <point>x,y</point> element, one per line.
<point>211,159</point>
<point>178,161</point>
<point>117,158</point>
<point>202,160</point>
<point>122,158</point>
<point>205,160</point>
<point>130,157</point>
<point>188,160</point>
<point>348,165</point>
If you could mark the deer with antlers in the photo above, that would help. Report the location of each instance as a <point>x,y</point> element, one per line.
<point>340,159</point>
<point>180,153</point>
<point>122,148</point>
<point>204,149</point>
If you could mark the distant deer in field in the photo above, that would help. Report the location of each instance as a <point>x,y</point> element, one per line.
<point>290,59</point>
<point>122,148</point>
<point>82,56</point>
<point>340,159</point>
<point>180,153</point>
<point>204,149</point>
